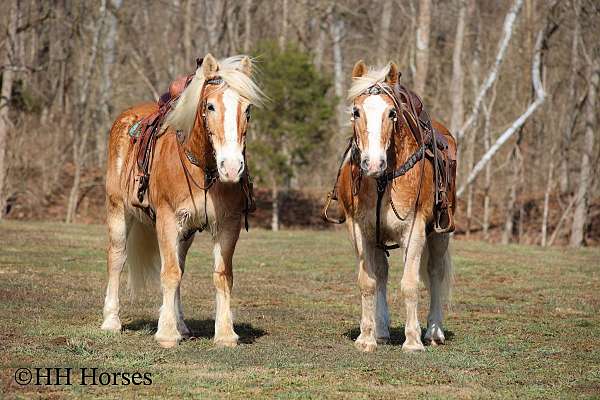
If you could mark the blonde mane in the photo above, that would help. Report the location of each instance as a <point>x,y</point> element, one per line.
<point>362,83</point>
<point>183,115</point>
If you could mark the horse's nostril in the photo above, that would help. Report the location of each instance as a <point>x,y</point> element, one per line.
<point>221,164</point>
<point>382,164</point>
<point>241,167</point>
<point>364,164</point>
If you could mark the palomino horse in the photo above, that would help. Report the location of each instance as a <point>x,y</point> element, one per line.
<point>399,210</point>
<point>197,164</point>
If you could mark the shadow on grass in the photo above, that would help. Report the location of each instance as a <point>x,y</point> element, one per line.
<point>202,328</point>
<point>397,336</point>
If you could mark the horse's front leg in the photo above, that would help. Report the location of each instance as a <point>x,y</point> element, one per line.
<point>224,247</point>
<point>168,334</point>
<point>410,284</point>
<point>367,282</point>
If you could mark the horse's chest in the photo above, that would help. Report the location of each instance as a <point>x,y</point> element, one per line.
<point>208,212</point>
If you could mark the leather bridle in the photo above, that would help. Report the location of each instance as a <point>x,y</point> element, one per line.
<point>211,174</point>
<point>389,175</point>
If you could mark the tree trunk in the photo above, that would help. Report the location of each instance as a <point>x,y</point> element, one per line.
<point>187,34</point>
<point>284,25</point>
<point>585,174</point>
<point>422,50</point>
<point>320,46</point>
<point>247,25</point>
<point>8,76</point>
<point>336,30</point>
<point>384,32</point>
<point>106,84</point>
<point>487,110</point>
<point>509,223</point>
<point>549,186</point>
<point>275,209</point>
<point>456,87</point>
<point>565,184</point>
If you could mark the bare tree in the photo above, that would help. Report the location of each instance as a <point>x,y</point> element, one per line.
<point>585,174</point>
<point>384,31</point>
<point>540,97</point>
<point>247,25</point>
<point>337,31</point>
<point>507,32</point>
<point>81,129</point>
<point>422,44</point>
<point>8,77</point>
<point>456,86</point>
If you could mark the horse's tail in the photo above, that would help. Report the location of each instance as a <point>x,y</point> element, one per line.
<point>143,258</point>
<point>436,260</point>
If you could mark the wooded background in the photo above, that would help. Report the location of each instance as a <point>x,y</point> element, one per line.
<point>516,81</point>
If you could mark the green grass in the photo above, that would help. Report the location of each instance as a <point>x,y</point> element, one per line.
<point>524,322</point>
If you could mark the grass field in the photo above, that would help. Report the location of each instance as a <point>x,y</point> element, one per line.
<point>524,322</point>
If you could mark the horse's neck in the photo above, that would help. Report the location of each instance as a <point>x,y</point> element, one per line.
<point>198,143</point>
<point>404,146</point>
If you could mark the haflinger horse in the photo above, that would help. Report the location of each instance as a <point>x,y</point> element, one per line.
<point>385,189</point>
<point>196,169</point>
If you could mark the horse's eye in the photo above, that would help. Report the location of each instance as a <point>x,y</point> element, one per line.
<point>355,113</point>
<point>210,107</point>
<point>393,113</point>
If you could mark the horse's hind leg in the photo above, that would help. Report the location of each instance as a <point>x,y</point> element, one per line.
<point>438,270</point>
<point>382,317</point>
<point>117,238</point>
<point>223,279</point>
<point>184,246</point>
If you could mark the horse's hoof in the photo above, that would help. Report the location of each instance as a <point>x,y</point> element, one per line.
<point>435,336</point>
<point>230,341</point>
<point>383,340</point>
<point>412,347</point>
<point>366,345</point>
<point>167,344</point>
<point>167,341</point>
<point>111,324</point>
<point>185,332</point>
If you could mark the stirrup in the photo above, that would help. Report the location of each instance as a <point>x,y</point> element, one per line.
<point>443,221</point>
<point>327,218</point>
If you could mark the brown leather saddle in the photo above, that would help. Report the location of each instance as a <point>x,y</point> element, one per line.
<point>145,132</point>
<point>438,151</point>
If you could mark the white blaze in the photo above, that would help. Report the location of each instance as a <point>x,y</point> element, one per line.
<point>231,151</point>
<point>230,102</point>
<point>374,107</point>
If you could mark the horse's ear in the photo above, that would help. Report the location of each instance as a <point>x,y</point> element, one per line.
<point>209,66</point>
<point>392,76</point>
<point>246,65</point>
<point>360,69</point>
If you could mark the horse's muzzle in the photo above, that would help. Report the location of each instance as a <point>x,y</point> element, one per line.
<point>373,167</point>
